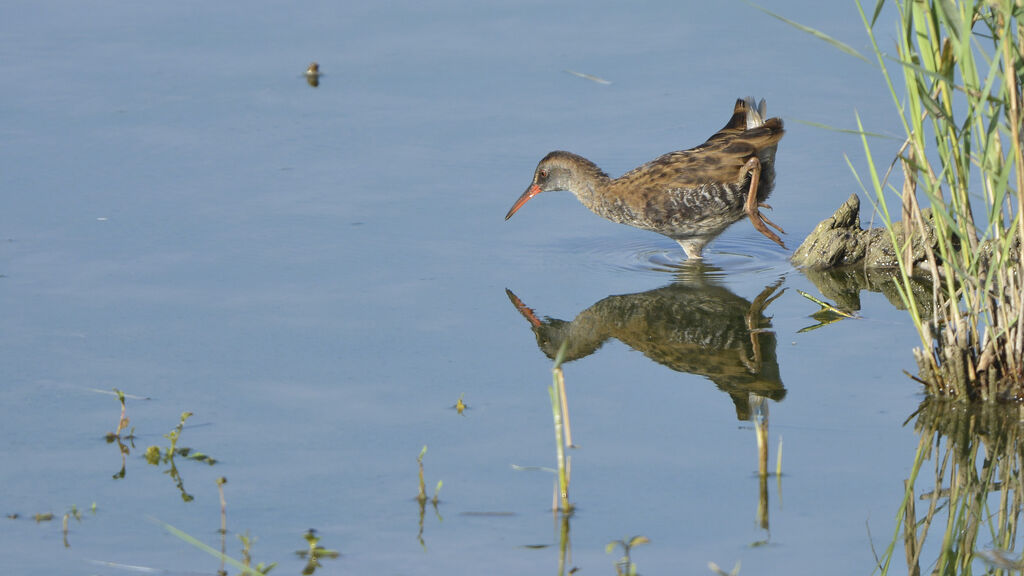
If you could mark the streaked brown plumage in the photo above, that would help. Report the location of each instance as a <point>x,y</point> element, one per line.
<point>691,195</point>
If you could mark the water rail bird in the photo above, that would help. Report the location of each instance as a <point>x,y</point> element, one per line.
<point>690,195</point>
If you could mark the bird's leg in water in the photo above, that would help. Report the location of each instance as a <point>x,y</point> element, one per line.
<point>751,208</point>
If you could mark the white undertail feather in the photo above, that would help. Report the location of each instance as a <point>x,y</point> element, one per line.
<point>756,113</point>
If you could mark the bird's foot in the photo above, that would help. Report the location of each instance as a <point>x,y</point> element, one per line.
<point>751,207</point>
<point>767,221</point>
<point>759,220</point>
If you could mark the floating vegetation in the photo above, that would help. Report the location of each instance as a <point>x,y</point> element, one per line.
<point>223,505</point>
<point>625,566</point>
<point>460,405</point>
<point>72,513</point>
<point>422,495</point>
<point>827,314</point>
<point>313,75</point>
<point>245,565</point>
<point>247,542</point>
<point>421,498</point>
<point>157,456</point>
<point>122,424</point>
<point>314,553</point>
<point>75,513</point>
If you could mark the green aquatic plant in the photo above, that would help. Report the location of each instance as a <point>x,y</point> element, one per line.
<point>247,543</point>
<point>124,443</point>
<point>156,456</point>
<point>75,513</point>
<point>961,110</point>
<point>460,405</point>
<point>314,553</point>
<point>221,481</point>
<point>422,495</point>
<point>624,565</point>
<point>826,314</point>
<point>122,422</point>
<point>245,565</point>
<point>421,499</point>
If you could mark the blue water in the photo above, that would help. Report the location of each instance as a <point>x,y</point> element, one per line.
<point>319,274</point>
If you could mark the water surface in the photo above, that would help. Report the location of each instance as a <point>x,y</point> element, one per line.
<point>319,274</point>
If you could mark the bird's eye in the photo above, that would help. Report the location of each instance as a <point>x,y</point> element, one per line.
<point>542,174</point>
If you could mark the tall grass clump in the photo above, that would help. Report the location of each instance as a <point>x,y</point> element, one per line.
<point>961,111</point>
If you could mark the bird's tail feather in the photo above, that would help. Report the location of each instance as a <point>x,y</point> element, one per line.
<point>757,112</point>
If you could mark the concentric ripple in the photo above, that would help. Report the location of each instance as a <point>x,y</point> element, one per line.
<point>728,255</point>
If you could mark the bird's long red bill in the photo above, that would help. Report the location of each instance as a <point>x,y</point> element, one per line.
<point>532,191</point>
<point>525,310</point>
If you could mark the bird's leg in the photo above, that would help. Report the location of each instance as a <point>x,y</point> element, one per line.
<point>753,318</point>
<point>751,208</point>
<point>694,247</point>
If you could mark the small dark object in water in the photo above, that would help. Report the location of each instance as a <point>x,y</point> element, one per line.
<point>313,75</point>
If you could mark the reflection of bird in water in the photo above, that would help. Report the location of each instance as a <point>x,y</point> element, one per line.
<point>691,195</point>
<point>694,327</point>
<point>313,75</point>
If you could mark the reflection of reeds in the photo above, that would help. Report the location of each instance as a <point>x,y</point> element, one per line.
<point>244,566</point>
<point>977,496</point>
<point>221,481</point>
<point>421,498</point>
<point>72,513</point>
<point>116,436</point>
<point>560,412</point>
<point>759,416</point>
<point>422,495</point>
